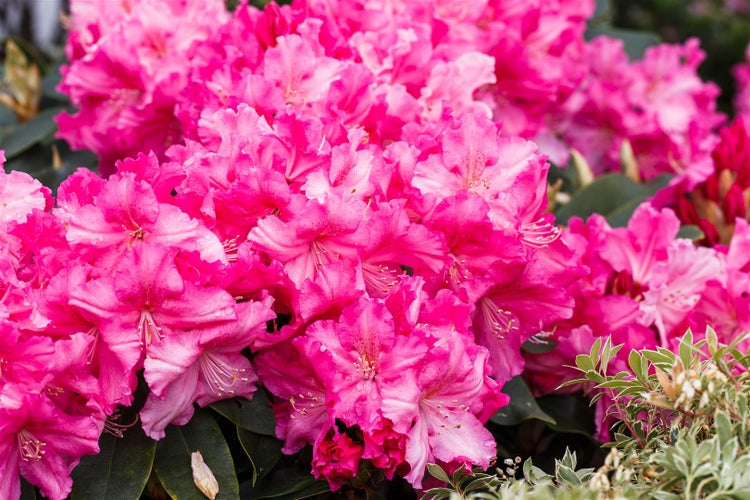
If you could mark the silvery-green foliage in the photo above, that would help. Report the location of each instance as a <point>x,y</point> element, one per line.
<point>682,431</point>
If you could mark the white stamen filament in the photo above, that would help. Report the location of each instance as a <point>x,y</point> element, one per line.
<point>367,367</point>
<point>499,320</point>
<point>380,278</point>
<point>539,234</point>
<point>219,375</point>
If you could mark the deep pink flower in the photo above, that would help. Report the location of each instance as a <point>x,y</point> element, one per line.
<point>335,457</point>
<point>147,297</point>
<point>317,234</point>
<point>41,442</point>
<point>357,357</point>
<point>20,194</point>
<point>437,407</point>
<point>125,215</point>
<point>302,415</point>
<point>200,366</point>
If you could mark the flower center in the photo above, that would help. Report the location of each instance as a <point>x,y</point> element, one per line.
<point>500,321</point>
<point>30,447</point>
<point>304,403</point>
<point>219,375</point>
<point>147,328</point>
<point>366,367</point>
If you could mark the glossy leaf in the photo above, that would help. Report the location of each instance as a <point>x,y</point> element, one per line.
<point>287,484</point>
<point>172,461</point>
<point>570,414</point>
<point>254,415</point>
<point>23,137</point>
<point>120,470</point>
<point>614,196</point>
<point>264,452</point>
<point>603,13</point>
<point>690,232</point>
<point>522,405</point>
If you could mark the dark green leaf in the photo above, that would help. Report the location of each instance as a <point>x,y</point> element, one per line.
<point>615,196</point>
<point>254,415</point>
<point>539,346</point>
<point>8,121</point>
<point>172,462</point>
<point>287,484</point>
<point>28,492</point>
<point>263,451</point>
<point>49,84</point>
<point>522,405</point>
<point>635,42</point>
<point>602,13</point>
<point>570,414</point>
<point>32,132</point>
<point>120,470</point>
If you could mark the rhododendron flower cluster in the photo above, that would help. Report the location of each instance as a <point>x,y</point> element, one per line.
<point>330,202</point>
<point>644,289</point>
<point>339,202</point>
<point>658,105</point>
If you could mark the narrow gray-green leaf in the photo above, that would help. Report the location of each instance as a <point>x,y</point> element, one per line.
<point>438,473</point>
<point>254,415</point>
<point>172,462</point>
<point>120,470</point>
<point>570,414</point>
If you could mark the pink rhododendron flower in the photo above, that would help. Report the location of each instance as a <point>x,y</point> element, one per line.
<point>436,407</point>
<point>350,190</point>
<point>327,233</point>
<point>302,416</point>
<point>659,105</point>
<point>357,357</point>
<point>642,290</point>
<point>336,457</point>
<point>42,443</point>
<point>20,194</point>
<point>126,214</point>
<point>200,366</point>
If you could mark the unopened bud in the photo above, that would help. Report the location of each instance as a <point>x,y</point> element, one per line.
<point>203,477</point>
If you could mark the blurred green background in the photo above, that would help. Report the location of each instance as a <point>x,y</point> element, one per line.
<point>723,26</point>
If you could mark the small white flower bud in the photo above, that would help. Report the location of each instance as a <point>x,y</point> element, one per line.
<point>203,478</point>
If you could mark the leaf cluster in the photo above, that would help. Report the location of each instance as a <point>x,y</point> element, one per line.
<point>682,429</point>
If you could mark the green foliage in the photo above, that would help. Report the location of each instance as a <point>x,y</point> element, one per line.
<point>522,405</point>
<point>254,415</point>
<point>172,462</point>
<point>126,462</point>
<point>682,431</point>
<point>614,196</point>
